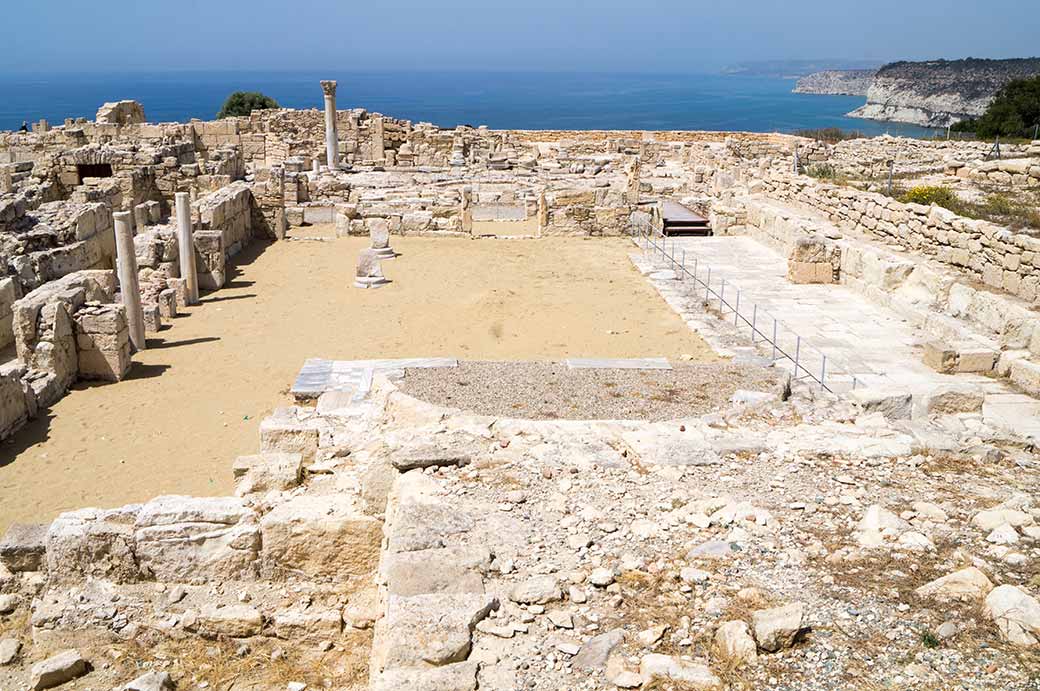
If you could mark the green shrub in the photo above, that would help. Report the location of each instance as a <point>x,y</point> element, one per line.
<point>242,103</point>
<point>831,135</point>
<point>927,194</point>
<point>1014,112</point>
<point>822,171</point>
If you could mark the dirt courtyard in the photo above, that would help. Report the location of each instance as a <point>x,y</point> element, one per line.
<point>195,398</point>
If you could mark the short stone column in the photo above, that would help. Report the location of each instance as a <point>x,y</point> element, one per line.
<point>369,273</point>
<point>331,140</point>
<point>126,260</point>
<point>186,247</point>
<point>379,234</point>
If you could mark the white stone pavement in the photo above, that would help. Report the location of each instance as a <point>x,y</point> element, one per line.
<point>859,338</point>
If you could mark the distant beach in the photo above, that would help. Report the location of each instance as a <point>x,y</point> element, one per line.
<point>498,100</point>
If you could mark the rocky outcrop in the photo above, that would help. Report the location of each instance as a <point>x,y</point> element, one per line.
<point>940,92</point>
<point>836,83</point>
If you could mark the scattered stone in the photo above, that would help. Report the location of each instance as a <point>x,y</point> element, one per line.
<point>669,668</point>
<point>538,590</point>
<point>690,575</point>
<point>596,651</point>
<point>1016,614</point>
<point>9,603</point>
<point>734,642</point>
<point>965,585</point>
<point>1003,535</point>
<point>153,681</point>
<point>55,671</point>
<point>560,619</point>
<point>778,627</point>
<point>601,577</point>
<point>9,648</point>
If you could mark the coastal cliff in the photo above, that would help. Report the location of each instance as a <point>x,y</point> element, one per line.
<point>836,83</point>
<point>941,92</point>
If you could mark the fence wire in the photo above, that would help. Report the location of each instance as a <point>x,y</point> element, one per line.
<point>766,330</point>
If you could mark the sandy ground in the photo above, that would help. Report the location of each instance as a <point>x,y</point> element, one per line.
<point>195,398</point>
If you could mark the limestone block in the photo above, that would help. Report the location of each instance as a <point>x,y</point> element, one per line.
<point>93,543</point>
<point>310,624</point>
<point>951,399</point>
<point>806,272</point>
<point>669,668</point>
<point>190,538</point>
<point>290,430</point>
<point>461,676</point>
<point>426,630</point>
<point>778,627</point>
<point>152,318</point>
<point>267,472</point>
<point>320,536</point>
<point>14,408</point>
<point>940,356</point>
<point>235,621</point>
<point>453,569</point>
<point>167,301</point>
<point>24,547</point>
<point>894,405</point>
<point>1026,374</point>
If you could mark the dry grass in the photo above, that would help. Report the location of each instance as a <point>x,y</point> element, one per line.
<point>218,664</point>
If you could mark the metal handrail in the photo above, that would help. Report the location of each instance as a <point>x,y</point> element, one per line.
<point>772,340</point>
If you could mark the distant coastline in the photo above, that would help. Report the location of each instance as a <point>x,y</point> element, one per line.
<point>499,100</point>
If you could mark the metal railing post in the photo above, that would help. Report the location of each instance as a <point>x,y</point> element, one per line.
<point>722,295</point>
<point>682,268</point>
<point>754,321</point>
<point>797,354</point>
<point>823,369</point>
<point>736,311</point>
<point>707,286</point>
<point>774,339</point>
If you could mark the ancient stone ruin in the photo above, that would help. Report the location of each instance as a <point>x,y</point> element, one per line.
<point>853,506</point>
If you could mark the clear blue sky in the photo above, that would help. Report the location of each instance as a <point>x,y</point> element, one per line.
<point>558,35</point>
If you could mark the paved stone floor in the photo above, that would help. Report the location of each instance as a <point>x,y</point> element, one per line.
<point>859,338</point>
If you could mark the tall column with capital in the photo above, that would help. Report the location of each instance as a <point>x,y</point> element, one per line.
<point>331,140</point>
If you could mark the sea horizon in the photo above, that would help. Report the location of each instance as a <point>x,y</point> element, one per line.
<point>536,100</point>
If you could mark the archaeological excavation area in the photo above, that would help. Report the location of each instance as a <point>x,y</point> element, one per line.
<point>325,399</point>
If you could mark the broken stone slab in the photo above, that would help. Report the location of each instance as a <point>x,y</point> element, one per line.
<point>9,649</point>
<point>461,676</point>
<point>667,448</point>
<point>777,627</point>
<point>434,629</point>
<point>879,524</point>
<point>290,430</point>
<point>670,668</point>
<point>894,405</point>
<point>1016,614</point>
<point>94,542</point>
<point>320,536</point>
<point>950,358</point>
<point>311,624</point>
<point>538,590</point>
<point>450,450</point>
<point>992,519</point>
<point>453,569</point>
<point>267,472</point>
<point>24,547</point>
<point>952,399</point>
<point>187,539</point>
<point>417,526</point>
<point>152,681</point>
<point>9,603</point>
<point>964,585</point>
<point>234,621</point>
<point>596,651</point>
<point>734,642</point>
<point>55,671</point>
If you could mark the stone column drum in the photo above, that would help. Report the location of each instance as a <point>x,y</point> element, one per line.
<point>186,247</point>
<point>129,287</point>
<point>331,140</point>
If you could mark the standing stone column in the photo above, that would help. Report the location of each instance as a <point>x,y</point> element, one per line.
<point>186,247</point>
<point>331,140</point>
<point>126,262</point>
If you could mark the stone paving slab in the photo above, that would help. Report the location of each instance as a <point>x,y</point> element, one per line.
<point>355,376</point>
<point>618,363</point>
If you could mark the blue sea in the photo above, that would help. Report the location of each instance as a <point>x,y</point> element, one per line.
<point>498,100</point>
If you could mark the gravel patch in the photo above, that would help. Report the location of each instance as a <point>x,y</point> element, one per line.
<point>549,390</point>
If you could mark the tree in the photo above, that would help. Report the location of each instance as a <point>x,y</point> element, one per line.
<point>1013,113</point>
<point>242,103</point>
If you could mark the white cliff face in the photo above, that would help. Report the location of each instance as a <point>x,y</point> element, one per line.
<point>836,83</point>
<point>939,93</point>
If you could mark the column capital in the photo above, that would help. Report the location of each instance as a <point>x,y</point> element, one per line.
<point>328,86</point>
